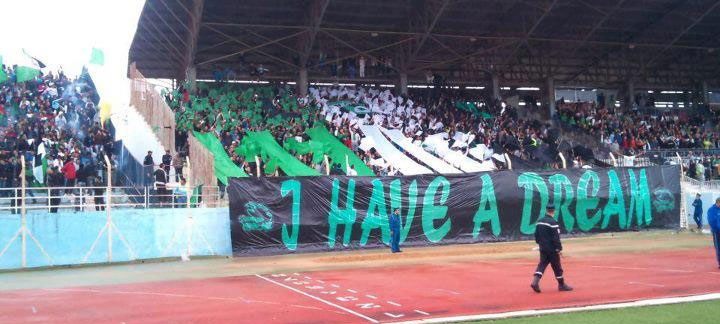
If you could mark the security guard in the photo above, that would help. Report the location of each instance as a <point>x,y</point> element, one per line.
<point>697,215</point>
<point>547,236</point>
<point>395,231</point>
<point>713,217</point>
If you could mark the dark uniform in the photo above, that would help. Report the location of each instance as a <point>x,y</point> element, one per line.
<point>160,183</point>
<point>697,215</point>
<point>167,161</point>
<point>547,236</point>
<point>395,231</point>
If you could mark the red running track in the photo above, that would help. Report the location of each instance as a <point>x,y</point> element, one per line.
<point>371,295</point>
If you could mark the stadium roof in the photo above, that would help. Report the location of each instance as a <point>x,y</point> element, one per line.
<point>654,43</point>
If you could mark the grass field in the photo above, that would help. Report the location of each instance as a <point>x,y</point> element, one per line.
<point>698,312</point>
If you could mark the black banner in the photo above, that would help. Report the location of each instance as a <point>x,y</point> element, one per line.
<point>280,215</point>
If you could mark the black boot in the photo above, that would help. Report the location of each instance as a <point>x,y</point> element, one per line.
<point>535,285</point>
<point>562,286</point>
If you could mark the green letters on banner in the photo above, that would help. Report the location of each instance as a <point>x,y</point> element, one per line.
<point>431,212</point>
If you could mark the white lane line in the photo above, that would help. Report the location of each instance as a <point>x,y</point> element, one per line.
<point>371,296</point>
<point>352,291</point>
<point>645,284</point>
<point>308,278</point>
<point>394,303</point>
<point>334,286</point>
<point>320,281</point>
<point>320,299</point>
<point>295,273</point>
<point>527,313</point>
<point>421,312</point>
<point>450,291</point>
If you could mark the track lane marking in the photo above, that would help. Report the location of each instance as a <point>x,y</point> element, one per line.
<point>319,299</point>
<point>528,313</point>
<point>646,284</point>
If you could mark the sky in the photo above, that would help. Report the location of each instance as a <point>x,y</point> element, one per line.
<point>63,32</point>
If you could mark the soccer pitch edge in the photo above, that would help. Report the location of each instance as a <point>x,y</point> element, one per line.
<point>532,313</point>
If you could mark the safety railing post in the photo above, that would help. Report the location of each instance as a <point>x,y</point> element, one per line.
<point>49,199</point>
<point>23,216</point>
<point>108,204</point>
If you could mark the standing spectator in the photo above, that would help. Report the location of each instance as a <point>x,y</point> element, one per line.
<point>148,164</point>
<point>697,215</point>
<point>177,163</point>
<point>55,179</point>
<point>167,161</point>
<point>69,170</point>
<point>160,183</point>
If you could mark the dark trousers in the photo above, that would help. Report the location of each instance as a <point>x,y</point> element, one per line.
<point>698,220</point>
<point>553,259</point>
<point>178,174</point>
<point>716,241</point>
<point>99,202</point>
<point>395,241</point>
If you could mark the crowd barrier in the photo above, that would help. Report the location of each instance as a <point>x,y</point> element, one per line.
<point>54,226</point>
<point>70,238</point>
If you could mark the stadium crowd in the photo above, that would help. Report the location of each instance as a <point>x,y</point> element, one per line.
<point>640,130</point>
<point>230,112</point>
<point>52,122</point>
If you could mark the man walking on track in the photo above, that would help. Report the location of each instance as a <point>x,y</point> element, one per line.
<point>395,231</point>
<point>547,236</point>
<point>713,218</point>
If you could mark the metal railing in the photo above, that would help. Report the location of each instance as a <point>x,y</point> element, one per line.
<point>60,199</point>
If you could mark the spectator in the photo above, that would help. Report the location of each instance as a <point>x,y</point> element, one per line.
<point>148,166</point>
<point>178,164</point>
<point>167,162</point>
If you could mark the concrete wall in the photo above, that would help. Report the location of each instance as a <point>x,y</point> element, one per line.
<point>68,237</point>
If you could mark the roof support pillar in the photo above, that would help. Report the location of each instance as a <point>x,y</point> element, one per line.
<point>495,86</point>
<point>629,95</point>
<point>549,94</point>
<point>302,81</point>
<point>188,65</point>
<point>191,77</point>
<point>704,93</point>
<point>403,84</point>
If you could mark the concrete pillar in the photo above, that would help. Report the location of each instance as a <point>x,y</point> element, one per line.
<point>705,93</point>
<point>495,86</point>
<point>550,95</point>
<point>302,82</point>
<point>403,84</point>
<point>191,77</point>
<point>629,95</point>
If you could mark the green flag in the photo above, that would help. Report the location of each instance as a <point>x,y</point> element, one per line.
<point>97,57</point>
<point>3,75</point>
<point>24,73</point>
